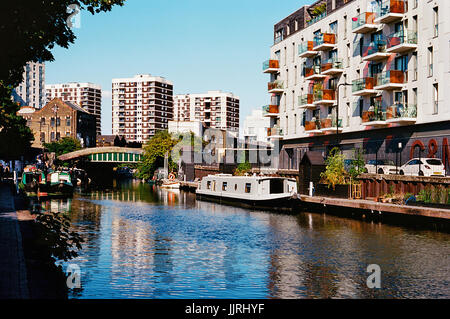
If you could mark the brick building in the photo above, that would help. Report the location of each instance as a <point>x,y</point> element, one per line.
<point>58,119</point>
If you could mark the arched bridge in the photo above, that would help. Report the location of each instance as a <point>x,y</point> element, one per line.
<point>106,155</point>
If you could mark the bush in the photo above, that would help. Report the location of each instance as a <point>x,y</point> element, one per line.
<point>335,169</point>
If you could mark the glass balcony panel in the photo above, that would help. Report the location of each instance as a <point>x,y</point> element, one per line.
<point>366,18</point>
<point>271,65</point>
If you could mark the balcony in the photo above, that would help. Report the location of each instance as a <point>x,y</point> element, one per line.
<point>399,42</point>
<point>307,101</point>
<point>329,125</point>
<point>375,51</point>
<point>313,127</point>
<point>401,114</point>
<point>325,97</point>
<point>374,117</point>
<point>314,73</point>
<point>271,111</point>
<point>364,86</point>
<point>271,66</point>
<point>305,50</point>
<point>390,80</point>
<point>333,67</point>
<point>364,23</point>
<point>391,11</point>
<point>276,87</point>
<point>324,42</point>
<point>275,132</point>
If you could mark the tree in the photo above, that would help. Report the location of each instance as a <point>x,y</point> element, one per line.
<point>155,151</point>
<point>29,31</point>
<point>64,146</point>
<point>15,136</point>
<point>335,169</point>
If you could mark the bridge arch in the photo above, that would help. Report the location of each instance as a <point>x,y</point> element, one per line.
<point>106,155</point>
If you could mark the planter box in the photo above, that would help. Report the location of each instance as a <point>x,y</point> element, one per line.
<point>341,191</point>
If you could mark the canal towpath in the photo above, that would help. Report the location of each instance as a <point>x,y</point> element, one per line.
<point>13,279</point>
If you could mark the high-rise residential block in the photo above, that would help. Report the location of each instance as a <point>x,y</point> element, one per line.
<point>31,92</point>
<point>86,95</point>
<point>141,106</point>
<point>216,109</point>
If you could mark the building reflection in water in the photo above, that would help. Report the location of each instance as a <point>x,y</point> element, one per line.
<point>143,241</point>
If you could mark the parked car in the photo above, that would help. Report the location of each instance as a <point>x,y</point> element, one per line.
<point>381,166</point>
<point>423,167</point>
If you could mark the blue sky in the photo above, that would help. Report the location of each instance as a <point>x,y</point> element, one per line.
<point>199,45</point>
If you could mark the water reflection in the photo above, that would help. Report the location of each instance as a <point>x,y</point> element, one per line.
<point>145,242</point>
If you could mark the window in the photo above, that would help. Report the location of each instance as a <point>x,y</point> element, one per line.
<point>52,122</point>
<point>42,137</point>
<point>68,121</point>
<point>430,61</point>
<point>224,186</point>
<point>435,98</point>
<point>208,185</point>
<point>415,72</point>
<point>248,188</point>
<point>436,21</point>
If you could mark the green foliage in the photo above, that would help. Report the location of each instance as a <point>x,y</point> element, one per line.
<point>30,30</point>
<point>55,237</point>
<point>15,136</point>
<point>335,169</point>
<point>243,169</point>
<point>426,195</point>
<point>154,152</point>
<point>357,167</point>
<point>64,146</point>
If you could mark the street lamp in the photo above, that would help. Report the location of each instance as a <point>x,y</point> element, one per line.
<point>337,111</point>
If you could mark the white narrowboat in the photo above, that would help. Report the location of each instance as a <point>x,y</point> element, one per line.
<point>248,191</point>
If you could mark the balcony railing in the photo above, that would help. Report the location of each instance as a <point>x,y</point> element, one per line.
<point>271,110</point>
<point>401,112</point>
<point>316,18</point>
<point>274,132</point>
<point>364,23</point>
<point>367,83</point>
<point>329,124</point>
<point>402,41</point>
<point>325,96</point>
<point>306,49</point>
<point>312,126</point>
<point>375,50</point>
<point>390,80</point>
<point>306,100</point>
<point>333,66</point>
<point>270,66</point>
<point>375,116</point>
<point>276,86</point>
<point>390,11</point>
<point>324,41</point>
<point>314,72</point>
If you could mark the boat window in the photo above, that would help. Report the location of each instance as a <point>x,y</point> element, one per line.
<point>235,187</point>
<point>276,186</point>
<point>224,186</point>
<point>248,188</point>
<point>208,185</point>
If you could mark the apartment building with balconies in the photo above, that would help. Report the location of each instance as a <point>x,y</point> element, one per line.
<point>141,106</point>
<point>215,109</point>
<point>86,95</point>
<point>347,72</point>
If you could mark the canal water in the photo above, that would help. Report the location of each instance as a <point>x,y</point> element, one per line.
<point>144,242</point>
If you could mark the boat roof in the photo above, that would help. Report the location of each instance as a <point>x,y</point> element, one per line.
<point>253,177</point>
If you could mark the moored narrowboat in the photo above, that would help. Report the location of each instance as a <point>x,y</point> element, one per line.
<point>262,192</point>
